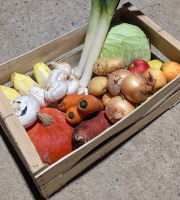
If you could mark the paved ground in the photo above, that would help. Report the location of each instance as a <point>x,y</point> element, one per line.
<point>145,167</point>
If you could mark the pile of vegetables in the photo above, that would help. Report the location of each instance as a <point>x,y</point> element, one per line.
<point>63,108</point>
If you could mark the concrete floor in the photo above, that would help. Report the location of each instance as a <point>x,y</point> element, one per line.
<point>145,167</point>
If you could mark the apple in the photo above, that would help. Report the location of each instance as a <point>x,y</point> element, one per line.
<point>171,70</point>
<point>138,66</point>
<point>155,63</point>
<point>158,75</point>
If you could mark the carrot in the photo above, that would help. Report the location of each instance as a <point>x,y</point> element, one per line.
<point>90,104</point>
<point>74,116</point>
<point>68,101</point>
<point>89,128</point>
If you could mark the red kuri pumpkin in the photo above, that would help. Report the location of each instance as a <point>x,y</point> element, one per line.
<point>51,135</point>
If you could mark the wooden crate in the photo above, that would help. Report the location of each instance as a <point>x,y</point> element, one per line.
<point>49,179</point>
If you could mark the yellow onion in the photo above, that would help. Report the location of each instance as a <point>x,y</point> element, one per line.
<point>117,108</point>
<point>115,79</point>
<point>137,87</point>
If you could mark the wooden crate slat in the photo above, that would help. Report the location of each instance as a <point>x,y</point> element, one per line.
<point>45,53</point>
<point>163,41</point>
<point>64,164</point>
<point>60,181</point>
<point>18,137</point>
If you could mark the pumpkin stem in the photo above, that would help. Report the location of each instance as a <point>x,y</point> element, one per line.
<point>46,119</point>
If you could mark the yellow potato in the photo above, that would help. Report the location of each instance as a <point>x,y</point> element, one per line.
<point>106,97</point>
<point>98,85</point>
<point>104,66</point>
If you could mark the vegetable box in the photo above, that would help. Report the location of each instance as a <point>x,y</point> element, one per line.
<point>49,179</point>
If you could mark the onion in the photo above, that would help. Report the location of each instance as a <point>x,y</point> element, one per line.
<point>159,76</point>
<point>137,88</point>
<point>115,79</point>
<point>117,108</point>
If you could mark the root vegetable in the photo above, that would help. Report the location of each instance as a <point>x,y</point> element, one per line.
<point>106,98</point>
<point>90,104</point>
<point>68,101</point>
<point>117,108</point>
<point>90,128</point>
<point>104,66</point>
<point>74,116</point>
<point>115,79</point>
<point>98,85</point>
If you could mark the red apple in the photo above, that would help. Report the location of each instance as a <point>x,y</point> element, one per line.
<point>138,66</point>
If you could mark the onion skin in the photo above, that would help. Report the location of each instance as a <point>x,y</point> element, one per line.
<point>115,79</point>
<point>137,88</point>
<point>117,108</point>
<point>159,76</point>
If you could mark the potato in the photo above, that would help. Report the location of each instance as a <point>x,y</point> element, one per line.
<point>98,85</point>
<point>104,66</point>
<point>106,98</point>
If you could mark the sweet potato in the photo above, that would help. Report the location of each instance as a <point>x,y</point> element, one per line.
<point>88,129</point>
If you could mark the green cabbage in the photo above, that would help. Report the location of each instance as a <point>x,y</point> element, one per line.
<point>126,41</point>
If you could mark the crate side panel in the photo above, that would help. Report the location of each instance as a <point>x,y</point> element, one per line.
<point>18,137</point>
<point>71,159</point>
<point>163,41</point>
<point>45,53</point>
<point>60,181</point>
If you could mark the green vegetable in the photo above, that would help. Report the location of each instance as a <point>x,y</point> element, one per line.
<point>108,7</point>
<point>126,41</point>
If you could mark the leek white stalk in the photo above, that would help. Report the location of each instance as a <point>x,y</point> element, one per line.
<point>96,9</point>
<point>100,35</point>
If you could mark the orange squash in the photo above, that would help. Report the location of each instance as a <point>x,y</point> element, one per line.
<point>51,135</point>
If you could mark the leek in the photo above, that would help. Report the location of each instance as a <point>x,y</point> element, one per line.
<point>108,9</point>
<point>96,9</point>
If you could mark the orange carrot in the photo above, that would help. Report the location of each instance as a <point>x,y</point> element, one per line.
<point>68,101</point>
<point>74,116</point>
<point>90,104</point>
